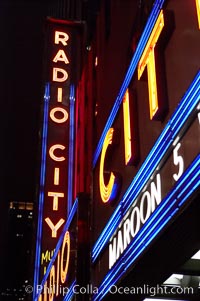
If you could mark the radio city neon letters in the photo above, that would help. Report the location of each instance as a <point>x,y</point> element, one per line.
<point>108,192</point>
<point>61,37</point>
<point>148,59</point>
<point>127,128</point>
<point>58,115</point>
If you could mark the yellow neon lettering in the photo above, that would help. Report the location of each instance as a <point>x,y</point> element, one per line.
<point>59,120</point>
<point>61,57</point>
<point>63,272</point>
<point>106,190</point>
<point>52,283</point>
<point>53,156</point>
<point>56,176</point>
<point>61,37</point>
<point>58,273</point>
<point>59,95</point>
<point>53,227</point>
<point>63,75</point>
<point>148,59</point>
<point>127,128</point>
<point>198,11</point>
<point>45,257</point>
<point>55,196</point>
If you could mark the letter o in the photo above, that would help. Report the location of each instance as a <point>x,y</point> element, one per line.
<point>59,120</point>
<point>146,196</point>
<point>134,213</point>
<point>63,272</point>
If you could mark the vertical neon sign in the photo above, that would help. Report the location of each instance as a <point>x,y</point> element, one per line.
<point>55,191</point>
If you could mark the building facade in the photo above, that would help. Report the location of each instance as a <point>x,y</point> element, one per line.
<point>131,229</point>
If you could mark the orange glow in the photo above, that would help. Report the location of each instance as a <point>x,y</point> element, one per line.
<point>56,175</point>
<point>45,292</point>
<point>53,227</point>
<point>63,273</point>
<point>198,11</point>
<point>61,57</point>
<point>52,283</point>
<point>148,59</point>
<point>62,78</point>
<point>53,156</point>
<point>152,85</point>
<point>59,120</point>
<point>61,37</point>
<point>58,273</point>
<point>106,190</point>
<point>59,95</point>
<point>55,196</point>
<point>127,128</point>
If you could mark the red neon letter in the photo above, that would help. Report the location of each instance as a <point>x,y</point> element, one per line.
<point>56,176</point>
<point>127,128</point>
<point>62,78</point>
<point>59,95</point>
<point>148,60</point>
<point>61,57</point>
<point>53,156</point>
<point>55,196</point>
<point>107,192</point>
<point>53,227</point>
<point>59,120</point>
<point>61,37</point>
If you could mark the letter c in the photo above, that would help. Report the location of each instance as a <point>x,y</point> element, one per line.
<point>53,156</point>
<point>108,192</point>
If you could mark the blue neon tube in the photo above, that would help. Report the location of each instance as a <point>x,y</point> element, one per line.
<point>155,157</point>
<point>71,149</point>
<point>159,219</point>
<point>70,294</point>
<point>42,182</point>
<point>65,228</point>
<point>133,65</point>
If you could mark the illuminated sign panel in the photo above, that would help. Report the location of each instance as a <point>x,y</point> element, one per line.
<point>167,175</point>
<point>57,156</point>
<point>56,192</point>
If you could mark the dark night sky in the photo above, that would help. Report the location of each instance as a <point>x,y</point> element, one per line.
<point>21,90</point>
<point>21,24</point>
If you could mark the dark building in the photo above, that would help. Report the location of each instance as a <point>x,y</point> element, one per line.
<point>18,251</point>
